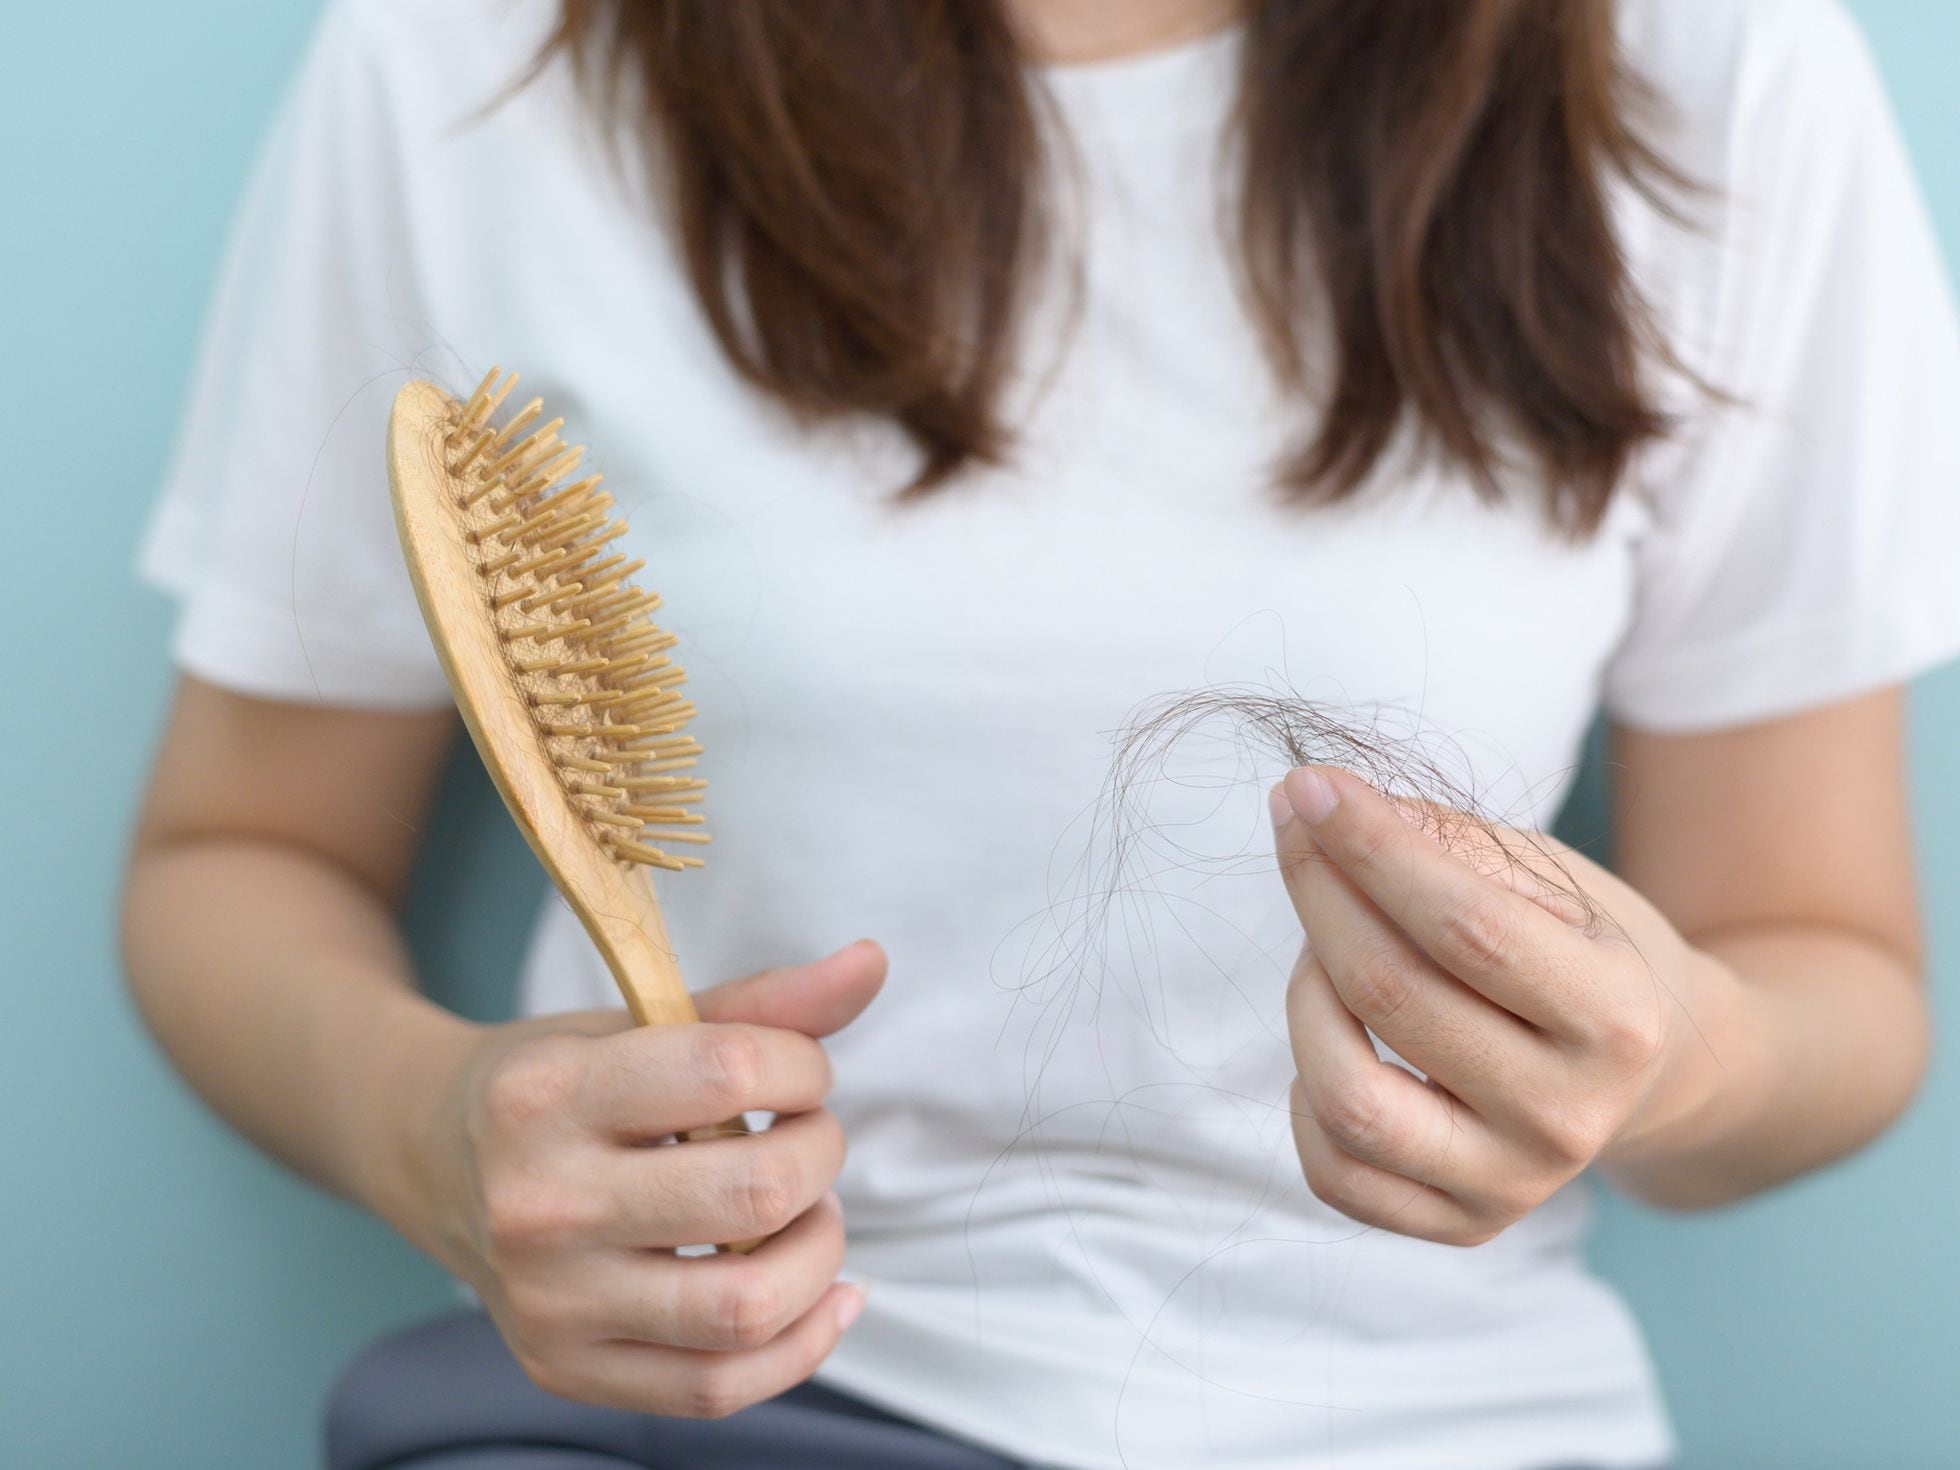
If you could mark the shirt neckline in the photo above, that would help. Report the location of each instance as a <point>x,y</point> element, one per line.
<point>1170,89</point>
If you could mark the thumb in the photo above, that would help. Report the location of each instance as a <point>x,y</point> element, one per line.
<point>815,999</point>
<point>1295,849</point>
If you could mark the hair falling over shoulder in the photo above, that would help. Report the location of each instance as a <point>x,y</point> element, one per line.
<point>1424,230</point>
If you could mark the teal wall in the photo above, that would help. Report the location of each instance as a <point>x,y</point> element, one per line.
<point>169,1300</point>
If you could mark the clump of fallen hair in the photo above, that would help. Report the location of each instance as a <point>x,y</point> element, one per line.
<point>1280,724</point>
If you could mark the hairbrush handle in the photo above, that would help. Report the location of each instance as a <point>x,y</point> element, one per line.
<point>633,940</point>
<point>734,1128</point>
<point>632,937</point>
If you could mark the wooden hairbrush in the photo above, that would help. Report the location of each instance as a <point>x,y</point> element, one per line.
<point>567,685</point>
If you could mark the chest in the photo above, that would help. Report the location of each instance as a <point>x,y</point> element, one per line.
<point>873,675</point>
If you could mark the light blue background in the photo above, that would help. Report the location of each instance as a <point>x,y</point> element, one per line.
<point>168,1299</point>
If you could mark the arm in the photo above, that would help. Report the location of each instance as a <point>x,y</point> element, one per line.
<point>273,846</point>
<point>259,937</point>
<point>1783,851</point>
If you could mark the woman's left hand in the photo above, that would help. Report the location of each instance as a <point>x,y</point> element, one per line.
<point>1554,1032</point>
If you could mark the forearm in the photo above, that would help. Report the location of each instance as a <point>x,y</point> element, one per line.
<point>278,985</point>
<point>1818,1047</point>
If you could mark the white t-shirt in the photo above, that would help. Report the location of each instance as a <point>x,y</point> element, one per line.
<point>1071,1182</point>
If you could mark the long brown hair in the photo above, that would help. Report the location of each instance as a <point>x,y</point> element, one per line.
<point>1425,233</point>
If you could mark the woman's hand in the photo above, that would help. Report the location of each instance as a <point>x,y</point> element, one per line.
<point>546,1195</point>
<point>1558,1017</point>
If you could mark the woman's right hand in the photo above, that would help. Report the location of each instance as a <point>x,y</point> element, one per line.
<point>543,1192</point>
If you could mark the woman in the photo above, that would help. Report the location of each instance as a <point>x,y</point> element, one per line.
<point>979,373</point>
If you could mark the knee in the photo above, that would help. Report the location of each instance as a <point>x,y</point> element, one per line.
<point>379,1405</point>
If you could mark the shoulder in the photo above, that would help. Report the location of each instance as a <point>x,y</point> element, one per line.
<point>1774,114</point>
<point>1725,68</point>
<point>438,55</point>
<point>447,26</point>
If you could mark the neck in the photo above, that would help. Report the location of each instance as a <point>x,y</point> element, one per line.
<point>1063,32</point>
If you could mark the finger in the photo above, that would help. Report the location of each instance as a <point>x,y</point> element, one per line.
<point>698,1384</point>
<point>815,999</point>
<point>1373,1111</point>
<point>726,1301</point>
<point>724,1189</point>
<point>1569,909</point>
<point>1430,1018</point>
<point>655,1080</point>
<point>1534,864</point>
<point>1374,1196</point>
<point>1487,934</point>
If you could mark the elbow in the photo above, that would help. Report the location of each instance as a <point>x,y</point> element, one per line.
<point>136,922</point>
<point>1915,1050</point>
<point>159,902</point>
<point>1903,1051</point>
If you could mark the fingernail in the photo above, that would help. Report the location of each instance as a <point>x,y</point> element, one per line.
<point>1278,805</point>
<point>848,1309</point>
<point>1310,794</point>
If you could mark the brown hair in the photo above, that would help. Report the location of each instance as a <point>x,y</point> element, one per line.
<point>1425,234</point>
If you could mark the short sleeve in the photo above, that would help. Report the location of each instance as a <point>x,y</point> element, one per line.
<point>1804,544</point>
<point>274,527</point>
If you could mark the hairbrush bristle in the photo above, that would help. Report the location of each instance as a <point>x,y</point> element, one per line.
<point>575,630</point>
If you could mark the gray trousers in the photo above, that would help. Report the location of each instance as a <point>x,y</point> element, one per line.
<point>447,1395</point>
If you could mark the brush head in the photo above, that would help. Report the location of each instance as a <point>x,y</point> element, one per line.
<point>564,678</point>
